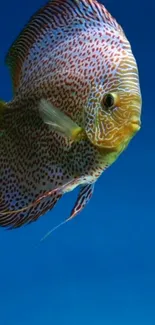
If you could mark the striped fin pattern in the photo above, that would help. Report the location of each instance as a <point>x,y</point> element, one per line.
<point>16,219</point>
<point>84,197</point>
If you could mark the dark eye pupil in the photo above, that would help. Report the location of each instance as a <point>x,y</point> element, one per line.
<point>108,101</point>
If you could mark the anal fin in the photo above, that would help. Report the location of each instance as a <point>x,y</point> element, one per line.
<point>29,213</point>
<point>16,219</point>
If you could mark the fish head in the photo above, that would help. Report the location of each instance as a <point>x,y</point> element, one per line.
<point>113,112</point>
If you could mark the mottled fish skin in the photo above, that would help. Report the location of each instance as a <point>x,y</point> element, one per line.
<point>37,161</point>
<point>72,53</point>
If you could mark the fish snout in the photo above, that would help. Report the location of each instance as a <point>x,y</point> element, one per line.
<point>134,124</point>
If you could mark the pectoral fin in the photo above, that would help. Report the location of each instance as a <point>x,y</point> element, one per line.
<point>59,121</point>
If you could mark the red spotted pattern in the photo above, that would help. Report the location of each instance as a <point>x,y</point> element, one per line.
<point>69,53</point>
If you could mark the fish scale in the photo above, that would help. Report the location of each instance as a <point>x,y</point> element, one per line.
<point>71,54</point>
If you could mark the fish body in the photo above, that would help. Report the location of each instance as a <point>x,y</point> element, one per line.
<point>76,106</point>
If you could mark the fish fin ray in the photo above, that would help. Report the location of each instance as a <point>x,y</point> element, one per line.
<point>17,218</point>
<point>59,121</point>
<point>84,197</point>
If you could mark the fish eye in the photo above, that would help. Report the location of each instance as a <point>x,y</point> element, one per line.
<point>109,101</point>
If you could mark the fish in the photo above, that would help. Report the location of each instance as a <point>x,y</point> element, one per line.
<point>76,106</point>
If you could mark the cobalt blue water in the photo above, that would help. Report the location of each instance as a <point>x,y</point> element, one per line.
<point>98,269</point>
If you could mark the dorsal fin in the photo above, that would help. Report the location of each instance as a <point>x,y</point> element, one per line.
<point>56,13</point>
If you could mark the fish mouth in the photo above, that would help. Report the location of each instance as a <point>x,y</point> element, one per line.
<point>135,125</point>
<point>121,137</point>
<point>124,135</point>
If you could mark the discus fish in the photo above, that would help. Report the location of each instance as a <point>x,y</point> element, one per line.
<point>76,106</point>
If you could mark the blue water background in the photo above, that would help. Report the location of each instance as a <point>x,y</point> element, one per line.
<point>99,269</point>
